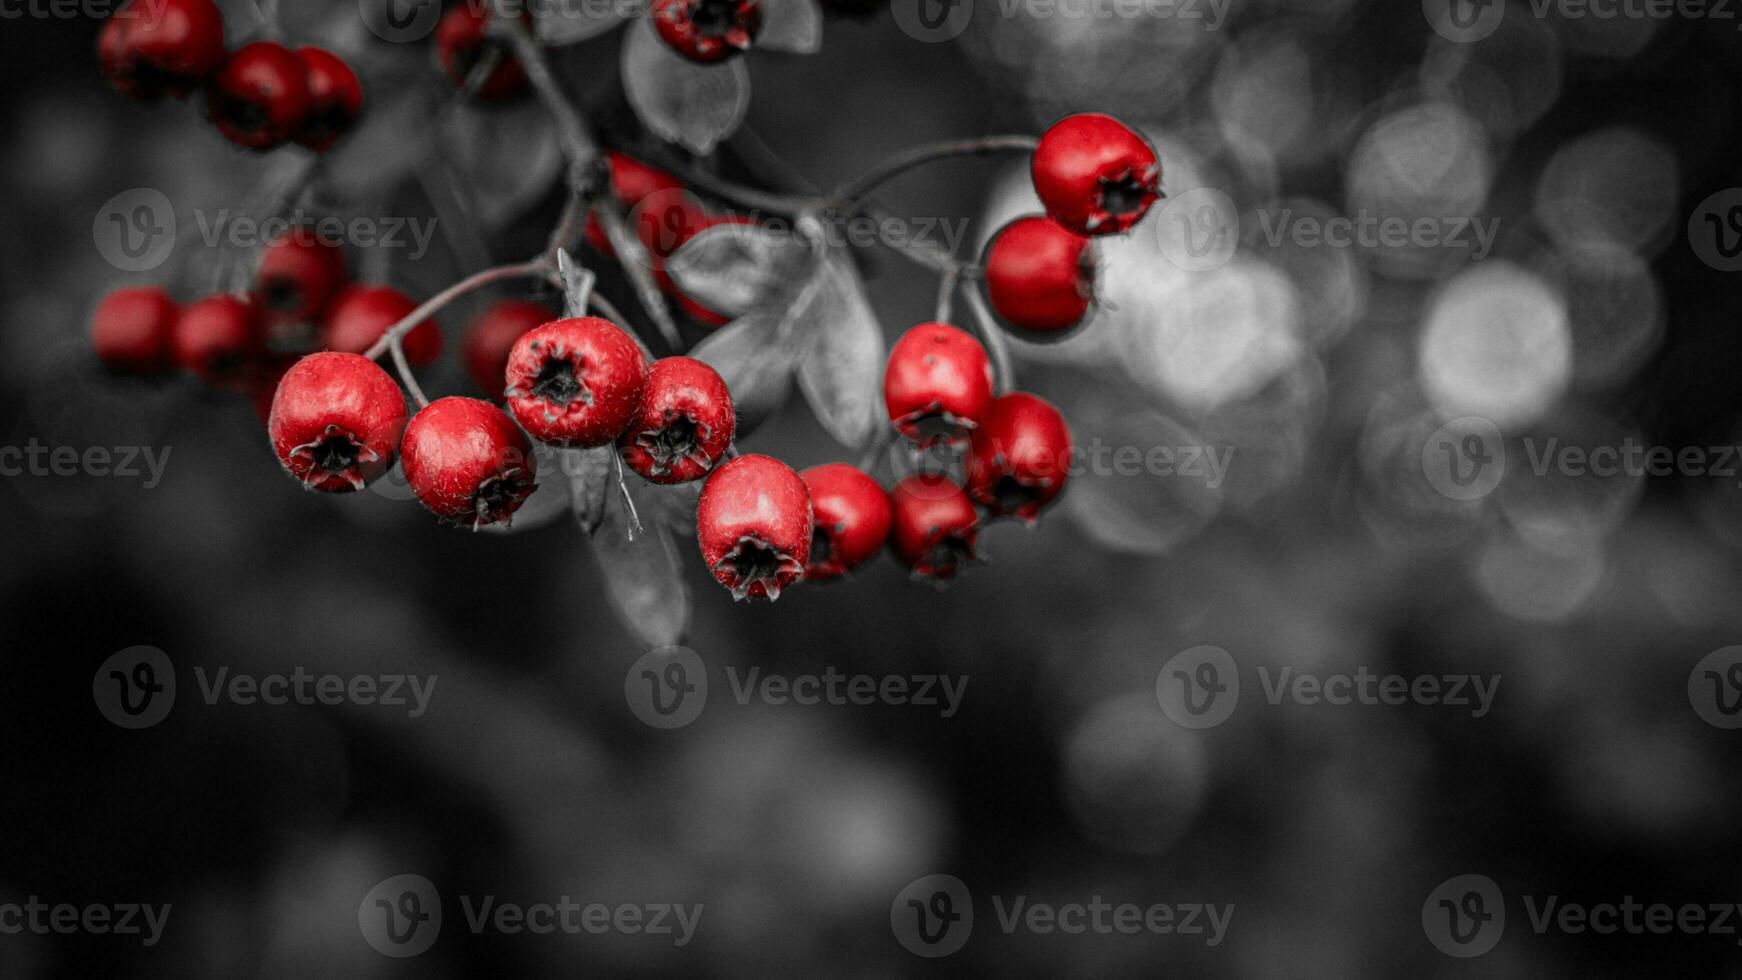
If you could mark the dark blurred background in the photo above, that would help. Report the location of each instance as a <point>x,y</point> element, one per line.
<point>1594,320</point>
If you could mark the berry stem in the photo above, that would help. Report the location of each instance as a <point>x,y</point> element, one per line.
<point>926,153</point>
<point>401,365</point>
<point>947,281</point>
<point>638,266</point>
<point>573,133</point>
<point>1003,377</point>
<point>535,268</point>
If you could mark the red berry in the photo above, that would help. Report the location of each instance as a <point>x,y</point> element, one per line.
<point>937,383</point>
<point>685,424</point>
<point>935,526</point>
<point>490,337</point>
<point>260,97</point>
<point>576,382</point>
<point>220,339</point>
<point>1040,276</point>
<point>131,330</point>
<point>335,421</point>
<point>152,48</point>
<point>707,30</point>
<point>468,462</point>
<point>463,41</point>
<point>335,99</point>
<point>852,515</point>
<point>631,183</point>
<point>300,273</point>
<point>361,314</point>
<point>1020,457</point>
<point>1095,175</point>
<point>753,523</point>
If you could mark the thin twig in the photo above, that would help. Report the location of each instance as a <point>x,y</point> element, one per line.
<point>533,268</point>
<point>946,292</point>
<point>1003,376</point>
<point>637,264</point>
<point>397,347</point>
<point>573,134</point>
<point>902,162</point>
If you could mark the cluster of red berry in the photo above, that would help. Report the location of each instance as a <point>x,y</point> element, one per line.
<point>261,96</point>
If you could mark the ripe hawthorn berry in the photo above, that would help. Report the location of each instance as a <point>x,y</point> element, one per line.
<point>359,315</point>
<point>576,382</point>
<point>1095,175</point>
<point>335,421</point>
<point>935,526</point>
<point>335,99</point>
<point>220,339</point>
<point>707,31</point>
<point>462,42</point>
<point>852,514</point>
<point>300,273</point>
<point>468,462</point>
<point>488,339</point>
<point>753,523</point>
<point>152,48</point>
<point>685,423</point>
<point>131,330</point>
<point>936,384</point>
<point>631,182</point>
<point>1040,276</point>
<point>1020,457</point>
<point>259,99</point>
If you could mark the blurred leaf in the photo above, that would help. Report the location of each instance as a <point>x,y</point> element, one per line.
<point>791,25</point>
<point>590,481</point>
<point>756,353</point>
<point>508,155</point>
<point>386,146</point>
<point>841,370</point>
<point>734,268</point>
<point>563,22</point>
<point>643,576</point>
<point>678,100</point>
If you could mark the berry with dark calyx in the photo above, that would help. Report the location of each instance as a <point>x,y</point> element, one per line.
<point>707,31</point>
<point>468,462</point>
<point>152,48</point>
<point>300,273</point>
<point>361,314</point>
<point>935,527</point>
<point>576,382</point>
<point>335,99</point>
<point>1095,175</point>
<point>685,424</point>
<point>1020,457</point>
<point>631,182</point>
<point>132,330</point>
<point>937,382</point>
<point>1040,277</point>
<point>753,523</point>
<point>259,99</point>
<point>335,421</point>
<point>220,339</point>
<point>462,40</point>
<point>488,339</point>
<point>852,514</point>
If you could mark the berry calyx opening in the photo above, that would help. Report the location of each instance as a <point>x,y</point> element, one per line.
<point>714,18</point>
<point>946,557</point>
<point>679,438</point>
<point>753,562</point>
<point>1012,496</point>
<point>1123,196</point>
<point>558,384</point>
<point>337,453</point>
<point>499,496</point>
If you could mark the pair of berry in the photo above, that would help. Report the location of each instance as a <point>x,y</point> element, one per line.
<point>261,96</point>
<point>1095,176</point>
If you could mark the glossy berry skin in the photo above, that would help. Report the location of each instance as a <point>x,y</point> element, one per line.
<point>220,339</point>
<point>935,526</point>
<point>488,339</point>
<point>707,31</point>
<point>259,99</point>
<point>131,330</point>
<point>685,424</point>
<point>335,421</point>
<point>1020,457</point>
<point>335,99</point>
<point>361,314</point>
<point>631,182</point>
<point>1040,277</point>
<point>300,273</point>
<point>468,462</point>
<point>937,382</point>
<point>152,48</point>
<point>576,382</point>
<point>852,514</point>
<point>753,523</point>
<point>462,41</point>
<point>1095,175</point>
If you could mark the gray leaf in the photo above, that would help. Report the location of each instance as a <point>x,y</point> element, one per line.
<point>791,25</point>
<point>678,100</point>
<point>734,268</point>
<point>754,363</point>
<point>643,576</point>
<point>590,481</point>
<point>561,22</point>
<point>841,369</point>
